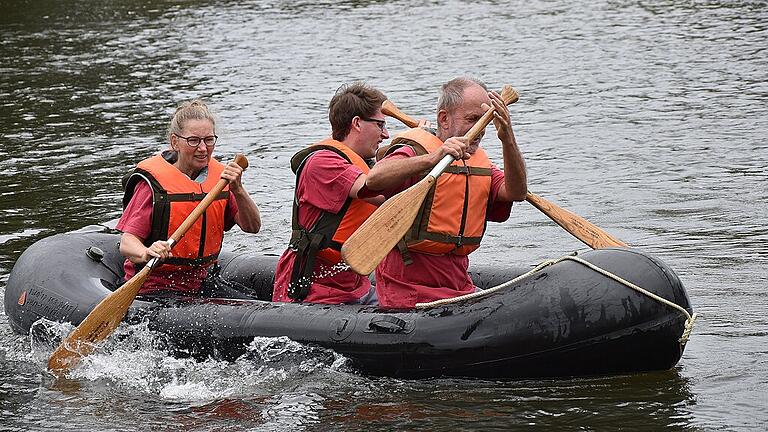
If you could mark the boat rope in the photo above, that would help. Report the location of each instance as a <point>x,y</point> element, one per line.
<point>690,318</point>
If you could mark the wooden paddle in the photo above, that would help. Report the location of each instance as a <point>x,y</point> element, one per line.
<point>584,230</point>
<point>108,314</point>
<point>579,227</point>
<point>370,243</point>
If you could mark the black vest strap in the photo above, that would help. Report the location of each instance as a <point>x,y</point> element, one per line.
<point>193,262</point>
<point>187,197</point>
<point>161,205</point>
<point>457,240</point>
<point>308,242</point>
<point>402,247</point>
<point>468,170</point>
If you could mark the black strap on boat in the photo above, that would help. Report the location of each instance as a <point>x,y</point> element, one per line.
<point>387,324</point>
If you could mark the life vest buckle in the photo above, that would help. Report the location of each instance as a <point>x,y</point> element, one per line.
<point>299,241</point>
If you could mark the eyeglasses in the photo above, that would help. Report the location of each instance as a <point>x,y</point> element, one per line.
<point>194,141</point>
<point>382,124</point>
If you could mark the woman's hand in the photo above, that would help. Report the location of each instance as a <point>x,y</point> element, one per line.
<point>159,249</point>
<point>234,174</point>
<point>132,247</point>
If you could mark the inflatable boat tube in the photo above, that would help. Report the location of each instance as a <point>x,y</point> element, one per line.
<point>566,319</point>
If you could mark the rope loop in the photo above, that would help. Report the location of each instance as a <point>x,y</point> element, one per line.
<point>690,319</point>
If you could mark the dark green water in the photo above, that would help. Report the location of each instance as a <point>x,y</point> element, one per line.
<point>647,118</point>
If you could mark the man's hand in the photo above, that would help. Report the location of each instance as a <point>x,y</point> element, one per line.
<point>500,118</point>
<point>454,146</point>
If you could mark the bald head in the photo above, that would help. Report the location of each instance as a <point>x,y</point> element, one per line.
<point>452,92</point>
<point>460,106</point>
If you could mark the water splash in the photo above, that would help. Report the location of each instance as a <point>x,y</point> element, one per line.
<point>137,359</point>
<point>322,271</point>
<point>325,271</point>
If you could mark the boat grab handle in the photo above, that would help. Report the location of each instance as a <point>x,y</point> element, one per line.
<point>387,324</point>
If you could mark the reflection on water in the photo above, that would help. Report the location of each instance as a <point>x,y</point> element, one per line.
<point>646,402</point>
<point>646,118</point>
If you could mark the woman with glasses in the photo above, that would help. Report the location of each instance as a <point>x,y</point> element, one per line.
<point>161,191</point>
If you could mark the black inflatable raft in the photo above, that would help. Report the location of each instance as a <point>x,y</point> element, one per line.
<point>566,319</point>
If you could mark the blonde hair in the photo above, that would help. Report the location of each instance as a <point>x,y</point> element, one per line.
<point>191,110</point>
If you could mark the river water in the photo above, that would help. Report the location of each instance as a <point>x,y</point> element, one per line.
<point>647,118</point>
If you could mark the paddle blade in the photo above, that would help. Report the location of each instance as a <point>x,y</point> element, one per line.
<point>97,326</point>
<point>370,243</point>
<point>579,227</point>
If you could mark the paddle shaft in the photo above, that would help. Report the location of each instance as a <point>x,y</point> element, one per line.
<point>582,229</point>
<point>108,314</point>
<point>390,109</point>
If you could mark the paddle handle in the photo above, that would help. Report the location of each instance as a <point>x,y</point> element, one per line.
<point>390,109</point>
<point>509,95</point>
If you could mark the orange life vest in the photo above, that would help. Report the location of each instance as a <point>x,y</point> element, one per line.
<point>174,197</point>
<point>452,217</point>
<point>325,238</point>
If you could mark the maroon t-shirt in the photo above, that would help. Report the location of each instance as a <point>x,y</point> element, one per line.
<point>324,185</point>
<point>137,220</point>
<point>430,277</point>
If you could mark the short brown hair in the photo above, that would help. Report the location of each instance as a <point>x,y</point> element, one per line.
<point>350,100</point>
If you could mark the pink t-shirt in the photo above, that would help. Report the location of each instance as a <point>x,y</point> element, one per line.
<point>324,185</point>
<point>137,220</point>
<point>430,277</point>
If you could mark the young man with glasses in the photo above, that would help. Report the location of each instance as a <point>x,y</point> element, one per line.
<point>164,189</point>
<point>331,201</point>
<point>432,260</point>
